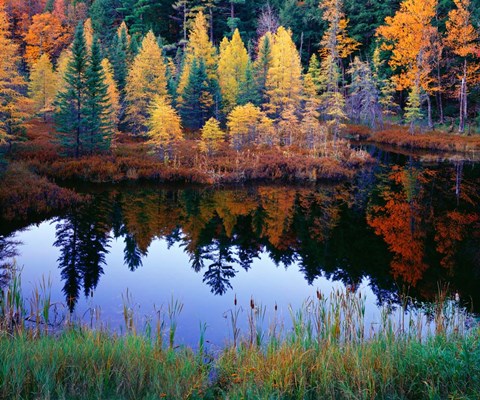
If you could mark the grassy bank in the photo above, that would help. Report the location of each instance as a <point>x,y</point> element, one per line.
<point>87,364</point>
<point>328,353</point>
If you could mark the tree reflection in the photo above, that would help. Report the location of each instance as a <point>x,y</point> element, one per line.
<point>405,225</point>
<point>8,252</point>
<point>82,236</point>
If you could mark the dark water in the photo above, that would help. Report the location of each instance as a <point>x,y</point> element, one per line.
<point>401,228</point>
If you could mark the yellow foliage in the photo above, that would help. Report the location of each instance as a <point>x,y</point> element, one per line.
<point>62,65</point>
<point>248,123</point>
<point>164,124</point>
<point>146,79</point>
<point>212,136</point>
<point>88,34</point>
<point>43,85</point>
<point>11,83</point>
<point>113,93</point>
<point>199,47</point>
<point>335,41</point>
<point>284,82</point>
<point>232,68</point>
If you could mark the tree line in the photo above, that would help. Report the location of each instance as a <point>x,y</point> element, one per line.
<point>282,73</point>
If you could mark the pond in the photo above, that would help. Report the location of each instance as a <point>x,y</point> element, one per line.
<point>402,229</point>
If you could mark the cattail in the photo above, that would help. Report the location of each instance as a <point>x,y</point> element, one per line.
<point>252,304</point>
<point>319,295</point>
<point>276,306</point>
<point>235,300</point>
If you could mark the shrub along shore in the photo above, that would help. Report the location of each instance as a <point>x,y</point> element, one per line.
<point>327,353</point>
<point>401,137</point>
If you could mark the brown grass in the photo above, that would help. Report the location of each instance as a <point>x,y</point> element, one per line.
<point>130,159</point>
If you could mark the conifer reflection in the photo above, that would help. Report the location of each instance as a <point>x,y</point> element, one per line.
<point>400,226</point>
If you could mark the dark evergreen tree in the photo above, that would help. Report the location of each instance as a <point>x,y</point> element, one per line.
<point>70,118</point>
<point>198,98</point>
<point>365,17</point>
<point>104,15</point>
<point>49,6</point>
<point>97,109</point>
<point>307,25</point>
<point>249,92</point>
<point>120,56</point>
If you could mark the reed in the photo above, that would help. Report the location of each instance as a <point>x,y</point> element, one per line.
<point>329,352</point>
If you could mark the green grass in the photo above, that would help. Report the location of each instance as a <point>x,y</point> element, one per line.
<point>326,354</point>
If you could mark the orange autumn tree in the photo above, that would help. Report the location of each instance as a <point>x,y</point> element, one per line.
<point>462,40</point>
<point>411,38</point>
<point>45,35</point>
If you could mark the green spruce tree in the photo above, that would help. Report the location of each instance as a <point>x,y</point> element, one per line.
<point>198,98</point>
<point>97,108</point>
<point>70,117</point>
<point>120,58</point>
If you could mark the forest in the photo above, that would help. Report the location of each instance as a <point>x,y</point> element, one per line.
<point>295,75</point>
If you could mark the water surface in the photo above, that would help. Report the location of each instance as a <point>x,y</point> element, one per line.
<point>401,229</point>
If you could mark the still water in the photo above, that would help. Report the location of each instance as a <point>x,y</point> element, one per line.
<point>402,229</point>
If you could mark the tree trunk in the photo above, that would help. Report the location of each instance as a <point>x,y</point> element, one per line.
<point>429,112</point>
<point>439,96</point>
<point>211,24</point>
<point>301,46</point>
<point>463,99</point>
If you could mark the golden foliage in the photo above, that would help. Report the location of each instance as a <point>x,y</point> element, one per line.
<point>212,136</point>
<point>43,85</point>
<point>12,102</point>
<point>246,124</point>
<point>284,77</point>
<point>232,68</point>
<point>146,79</point>
<point>113,93</point>
<point>199,47</point>
<point>164,125</point>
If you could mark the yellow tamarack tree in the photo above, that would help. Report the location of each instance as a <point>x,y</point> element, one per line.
<point>62,65</point>
<point>284,76</point>
<point>232,69</point>
<point>198,48</point>
<point>88,33</point>
<point>335,45</point>
<point>146,79</point>
<point>212,136</point>
<point>112,90</point>
<point>164,127</point>
<point>43,86</point>
<point>247,124</point>
<point>11,83</point>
